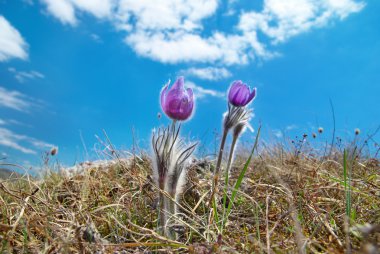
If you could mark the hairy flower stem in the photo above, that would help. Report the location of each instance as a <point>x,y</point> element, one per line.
<point>164,206</point>
<point>169,209</point>
<point>218,165</point>
<point>172,209</point>
<point>227,174</point>
<point>232,152</point>
<point>169,204</point>
<point>220,155</point>
<point>230,158</point>
<point>237,131</point>
<point>162,216</point>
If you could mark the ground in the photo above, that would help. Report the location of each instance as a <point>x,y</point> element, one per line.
<point>291,200</point>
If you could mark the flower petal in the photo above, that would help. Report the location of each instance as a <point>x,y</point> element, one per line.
<point>234,89</point>
<point>252,95</point>
<point>190,94</point>
<point>179,84</point>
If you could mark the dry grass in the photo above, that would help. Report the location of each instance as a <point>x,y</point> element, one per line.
<point>288,203</point>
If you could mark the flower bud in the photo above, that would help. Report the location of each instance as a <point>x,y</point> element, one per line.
<point>240,95</point>
<point>177,102</point>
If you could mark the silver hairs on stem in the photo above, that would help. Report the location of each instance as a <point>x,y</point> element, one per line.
<point>170,157</point>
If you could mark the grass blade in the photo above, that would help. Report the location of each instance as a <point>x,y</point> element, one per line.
<point>240,179</point>
<point>347,184</point>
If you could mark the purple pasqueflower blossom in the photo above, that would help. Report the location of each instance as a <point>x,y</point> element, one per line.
<point>240,94</point>
<point>178,102</point>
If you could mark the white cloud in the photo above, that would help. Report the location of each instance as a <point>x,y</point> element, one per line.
<point>96,38</point>
<point>281,20</point>
<point>178,47</point>
<point>12,122</point>
<point>291,127</point>
<point>12,45</point>
<point>15,100</point>
<point>22,143</point>
<point>173,31</point>
<point>62,10</point>
<point>66,10</point>
<point>155,15</point>
<point>201,93</point>
<point>208,73</point>
<point>277,133</point>
<point>98,8</point>
<point>22,76</point>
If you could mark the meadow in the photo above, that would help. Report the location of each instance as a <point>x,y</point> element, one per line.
<point>293,198</point>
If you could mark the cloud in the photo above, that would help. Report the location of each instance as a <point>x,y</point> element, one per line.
<point>66,10</point>
<point>174,31</point>
<point>183,47</point>
<point>281,20</point>
<point>22,143</point>
<point>152,15</point>
<point>169,31</point>
<point>12,44</point>
<point>15,100</point>
<point>291,127</point>
<point>62,10</point>
<point>277,133</point>
<point>22,76</point>
<point>208,73</point>
<point>202,93</point>
<point>12,122</point>
<point>96,38</point>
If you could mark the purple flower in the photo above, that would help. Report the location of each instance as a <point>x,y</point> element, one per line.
<point>240,94</point>
<point>178,102</point>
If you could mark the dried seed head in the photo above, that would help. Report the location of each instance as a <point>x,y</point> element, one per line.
<point>357,131</point>
<point>320,130</point>
<point>314,135</point>
<point>54,151</point>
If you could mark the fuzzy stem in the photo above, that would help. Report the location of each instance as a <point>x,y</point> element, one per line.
<point>232,150</point>
<point>162,222</point>
<point>220,155</point>
<point>173,212</point>
<point>218,165</point>
<point>174,122</point>
<point>170,208</point>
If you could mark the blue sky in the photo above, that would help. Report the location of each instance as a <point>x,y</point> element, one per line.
<point>70,68</point>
